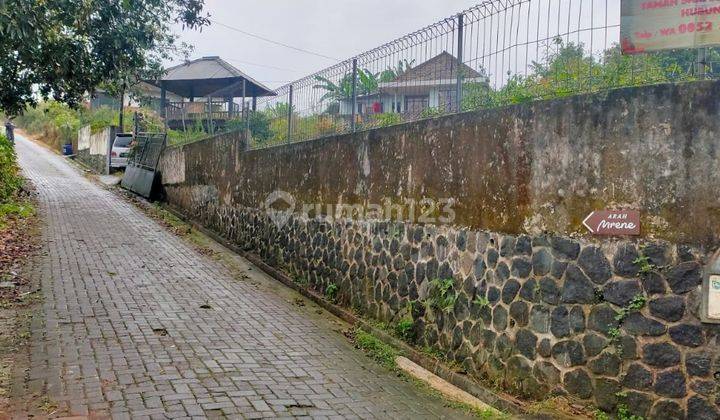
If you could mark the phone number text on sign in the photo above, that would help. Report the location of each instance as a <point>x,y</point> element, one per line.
<point>668,24</point>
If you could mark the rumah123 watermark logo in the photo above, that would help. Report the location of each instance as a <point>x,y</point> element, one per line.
<point>281,205</point>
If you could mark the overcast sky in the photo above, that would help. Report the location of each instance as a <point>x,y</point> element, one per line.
<point>335,28</point>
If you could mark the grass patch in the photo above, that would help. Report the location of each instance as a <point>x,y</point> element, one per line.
<point>376,349</point>
<point>404,329</point>
<point>179,226</point>
<point>15,209</point>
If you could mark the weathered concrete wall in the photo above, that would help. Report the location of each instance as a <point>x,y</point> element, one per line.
<point>613,321</point>
<point>533,168</point>
<point>92,148</point>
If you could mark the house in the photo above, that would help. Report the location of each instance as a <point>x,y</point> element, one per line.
<point>429,85</point>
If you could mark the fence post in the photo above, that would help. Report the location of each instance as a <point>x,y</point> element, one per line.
<point>701,59</point>
<point>459,87</point>
<point>245,114</point>
<point>354,95</point>
<point>290,108</point>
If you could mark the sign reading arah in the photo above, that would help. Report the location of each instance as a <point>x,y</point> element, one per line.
<point>651,25</point>
<point>613,222</point>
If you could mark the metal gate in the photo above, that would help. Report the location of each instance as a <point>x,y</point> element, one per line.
<point>143,162</point>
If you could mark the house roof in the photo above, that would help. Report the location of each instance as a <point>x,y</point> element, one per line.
<point>209,76</point>
<point>438,72</point>
<point>441,67</point>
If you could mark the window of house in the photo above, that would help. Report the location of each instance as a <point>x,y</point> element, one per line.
<point>415,105</point>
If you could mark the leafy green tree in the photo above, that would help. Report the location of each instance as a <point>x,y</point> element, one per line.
<point>66,48</point>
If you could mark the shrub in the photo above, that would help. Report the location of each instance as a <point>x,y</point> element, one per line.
<point>331,291</point>
<point>387,119</point>
<point>405,329</point>
<point>10,181</point>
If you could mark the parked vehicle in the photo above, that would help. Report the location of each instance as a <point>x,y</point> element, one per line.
<point>121,150</point>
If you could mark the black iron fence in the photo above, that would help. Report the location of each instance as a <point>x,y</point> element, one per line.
<point>497,53</point>
<point>146,151</point>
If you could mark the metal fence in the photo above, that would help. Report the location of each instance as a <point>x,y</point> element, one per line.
<point>147,150</point>
<point>497,53</point>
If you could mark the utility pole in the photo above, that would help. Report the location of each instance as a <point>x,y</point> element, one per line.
<point>121,119</point>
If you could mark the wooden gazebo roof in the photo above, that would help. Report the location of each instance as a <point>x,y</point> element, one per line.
<point>209,76</point>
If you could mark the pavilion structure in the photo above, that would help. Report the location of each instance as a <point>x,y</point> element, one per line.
<point>208,87</point>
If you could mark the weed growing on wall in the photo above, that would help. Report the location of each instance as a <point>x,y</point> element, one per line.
<point>405,329</point>
<point>331,292</point>
<point>441,295</point>
<point>643,262</point>
<point>635,305</point>
<point>481,301</point>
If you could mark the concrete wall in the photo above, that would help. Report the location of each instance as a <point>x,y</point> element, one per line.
<point>536,306</point>
<point>93,148</point>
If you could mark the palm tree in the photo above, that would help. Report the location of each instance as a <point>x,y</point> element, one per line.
<point>393,73</point>
<point>335,91</point>
<point>368,82</point>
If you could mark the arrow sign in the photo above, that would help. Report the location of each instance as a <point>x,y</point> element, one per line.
<point>613,222</point>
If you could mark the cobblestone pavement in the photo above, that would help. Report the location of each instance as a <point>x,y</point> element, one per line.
<point>124,333</point>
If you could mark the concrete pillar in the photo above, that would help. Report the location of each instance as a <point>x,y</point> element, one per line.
<point>163,100</point>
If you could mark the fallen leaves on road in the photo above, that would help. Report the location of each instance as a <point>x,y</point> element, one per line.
<point>18,294</point>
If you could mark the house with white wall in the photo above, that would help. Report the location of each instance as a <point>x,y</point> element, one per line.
<point>429,85</point>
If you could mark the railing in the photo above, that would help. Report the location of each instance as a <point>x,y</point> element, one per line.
<point>177,111</point>
<point>497,53</point>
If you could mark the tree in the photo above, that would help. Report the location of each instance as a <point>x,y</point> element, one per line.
<point>366,84</point>
<point>392,73</point>
<point>335,91</point>
<point>66,48</point>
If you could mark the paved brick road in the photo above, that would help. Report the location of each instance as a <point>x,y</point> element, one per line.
<point>123,333</point>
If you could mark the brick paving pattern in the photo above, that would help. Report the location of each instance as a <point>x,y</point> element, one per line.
<point>122,332</point>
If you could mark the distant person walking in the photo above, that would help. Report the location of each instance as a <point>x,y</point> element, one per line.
<point>10,131</point>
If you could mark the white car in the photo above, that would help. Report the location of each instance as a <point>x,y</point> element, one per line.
<point>120,150</point>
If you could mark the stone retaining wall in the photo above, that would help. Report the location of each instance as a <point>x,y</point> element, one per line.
<point>612,322</point>
<point>538,315</point>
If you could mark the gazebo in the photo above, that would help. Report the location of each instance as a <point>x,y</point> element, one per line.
<point>216,82</point>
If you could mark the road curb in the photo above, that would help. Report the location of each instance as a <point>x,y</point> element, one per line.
<point>504,403</point>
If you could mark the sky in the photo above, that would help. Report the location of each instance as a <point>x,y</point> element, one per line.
<point>334,28</point>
